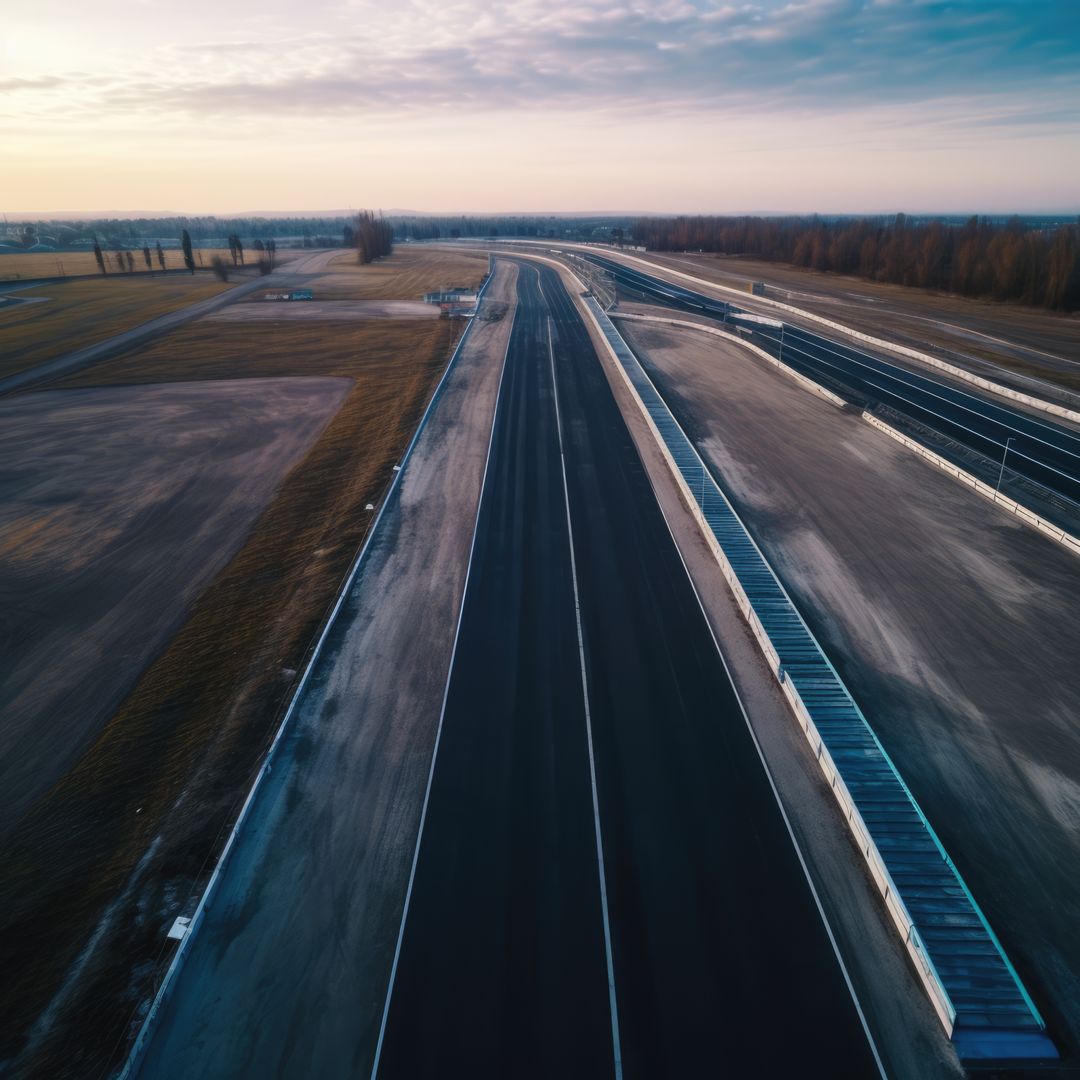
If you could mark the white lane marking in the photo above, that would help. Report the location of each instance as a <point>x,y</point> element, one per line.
<point>442,716</point>
<point>776,795</point>
<point>757,747</point>
<point>889,371</point>
<point>616,1044</point>
<point>133,1062</point>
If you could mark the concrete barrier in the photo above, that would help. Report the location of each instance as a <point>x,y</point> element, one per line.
<point>1027,516</point>
<point>898,913</point>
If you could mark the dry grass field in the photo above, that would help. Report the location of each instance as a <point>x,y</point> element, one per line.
<point>129,833</point>
<point>71,314</point>
<point>47,264</point>
<point>409,273</point>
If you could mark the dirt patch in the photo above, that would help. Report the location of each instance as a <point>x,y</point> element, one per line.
<point>407,274</point>
<point>116,507</point>
<point>259,310</point>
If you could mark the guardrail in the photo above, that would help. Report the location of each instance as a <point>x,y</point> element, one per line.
<point>806,382</point>
<point>146,1029</point>
<point>979,998</point>
<point>1011,506</point>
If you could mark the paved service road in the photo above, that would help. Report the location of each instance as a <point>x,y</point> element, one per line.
<point>1038,449</point>
<point>721,959</point>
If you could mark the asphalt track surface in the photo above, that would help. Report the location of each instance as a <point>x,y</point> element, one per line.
<point>1042,451</point>
<point>700,907</point>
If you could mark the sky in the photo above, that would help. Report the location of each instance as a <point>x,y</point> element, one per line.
<point>521,105</point>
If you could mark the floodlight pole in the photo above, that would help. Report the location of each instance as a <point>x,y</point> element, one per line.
<point>1004,455</point>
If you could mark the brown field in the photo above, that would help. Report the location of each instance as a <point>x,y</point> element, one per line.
<point>46,264</point>
<point>118,505</point>
<point>73,314</point>
<point>406,275</point>
<point>132,829</point>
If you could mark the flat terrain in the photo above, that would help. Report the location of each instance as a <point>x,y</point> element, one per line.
<point>505,933</point>
<point>1030,343</point>
<point>953,625</point>
<point>312,896</point>
<point>69,315</point>
<point>414,271</point>
<point>106,858</point>
<point>259,310</point>
<point>116,507</point>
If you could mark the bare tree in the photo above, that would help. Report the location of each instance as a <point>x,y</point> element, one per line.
<point>185,244</point>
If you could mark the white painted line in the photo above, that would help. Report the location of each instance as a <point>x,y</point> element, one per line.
<point>753,736</point>
<point>900,350</point>
<point>142,1039</point>
<point>616,1042</point>
<point>792,345</point>
<point>442,717</point>
<point>757,745</point>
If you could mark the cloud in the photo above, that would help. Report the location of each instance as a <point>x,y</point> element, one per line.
<point>667,57</point>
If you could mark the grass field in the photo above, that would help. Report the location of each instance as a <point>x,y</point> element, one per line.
<point>40,264</point>
<point>129,834</point>
<point>73,314</point>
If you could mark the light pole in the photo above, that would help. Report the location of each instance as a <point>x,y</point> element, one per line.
<point>1001,472</point>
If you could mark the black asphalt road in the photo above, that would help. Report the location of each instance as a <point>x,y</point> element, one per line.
<point>722,963</point>
<point>1040,450</point>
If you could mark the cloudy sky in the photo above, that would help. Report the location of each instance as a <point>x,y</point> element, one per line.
<point>675,105</point>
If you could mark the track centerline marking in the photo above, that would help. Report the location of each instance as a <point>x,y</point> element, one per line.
<point>616,1043</point>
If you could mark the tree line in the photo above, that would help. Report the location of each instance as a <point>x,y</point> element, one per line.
<point>1011,261</point>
